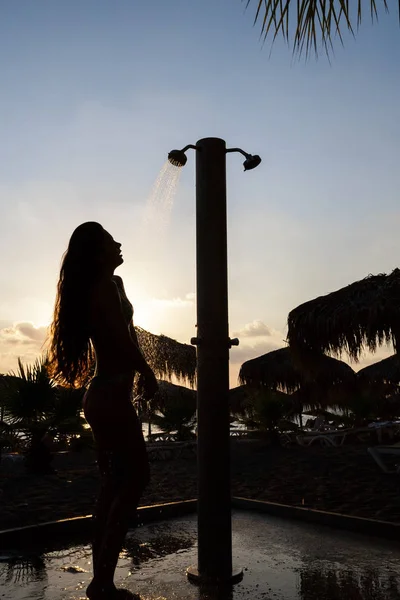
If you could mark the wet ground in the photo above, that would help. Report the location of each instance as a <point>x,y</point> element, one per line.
<point>282,560</point>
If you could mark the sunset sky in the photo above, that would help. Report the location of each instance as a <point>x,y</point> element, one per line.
<point>94,94</point>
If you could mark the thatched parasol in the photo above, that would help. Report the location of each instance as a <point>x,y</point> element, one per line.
<point>383,371</point>
<point>167,357</point>
<point>174,410</point>
<point>238,398</point>
<point>279,370</point>
<point>364,314</point>
<point>170,392</point>
<point>241,398</point>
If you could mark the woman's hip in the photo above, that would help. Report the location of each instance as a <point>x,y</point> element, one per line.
<point>112,416</point>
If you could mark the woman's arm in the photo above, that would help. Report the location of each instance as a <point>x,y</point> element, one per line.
<point>110,317</point>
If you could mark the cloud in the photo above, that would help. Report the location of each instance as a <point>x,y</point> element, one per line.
<point>30,331</point>
<point>22,340</point>
<point>23,333</point>
<point>256,328</point>
<point>243,353</point>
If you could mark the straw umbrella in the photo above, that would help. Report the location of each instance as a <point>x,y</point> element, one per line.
<point>167,357</point>
<point>364,314</point>
<point>385,371</point>
<point>239,397</point>
<point>170,392</point>
<point>174,409</point>
<point>379,386</point>
<point>279,370</point>
<point>242,396</point>
<point>327,383</point>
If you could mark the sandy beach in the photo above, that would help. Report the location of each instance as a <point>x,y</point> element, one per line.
<point>344,480</point>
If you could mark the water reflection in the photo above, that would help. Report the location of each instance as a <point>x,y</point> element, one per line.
<point>282,561</point>
<point>156,546</point>
<point>334,584</point>
<point>21,569</point>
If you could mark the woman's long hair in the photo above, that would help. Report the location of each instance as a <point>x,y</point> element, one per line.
<point>71,353</point>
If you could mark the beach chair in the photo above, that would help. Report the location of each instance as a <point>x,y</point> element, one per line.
<point>378,451</point>
<point>324,438</point>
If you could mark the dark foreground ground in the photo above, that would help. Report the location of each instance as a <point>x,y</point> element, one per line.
<point>281,560</point>
<point>344,480</point>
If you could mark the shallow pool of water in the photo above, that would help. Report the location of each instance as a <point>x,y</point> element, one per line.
<point>282,560</point>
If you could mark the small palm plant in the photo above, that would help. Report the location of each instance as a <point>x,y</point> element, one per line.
<point>36,408</point>
<point>269,411</point>
<point>66,423</point>
<point>176,410</point>
<point>28,398</point>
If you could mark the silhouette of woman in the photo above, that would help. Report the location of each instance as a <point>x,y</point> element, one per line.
<point>93,320</point>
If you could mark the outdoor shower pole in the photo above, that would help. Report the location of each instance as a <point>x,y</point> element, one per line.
<point>213,343</point>
<point>214,521</point>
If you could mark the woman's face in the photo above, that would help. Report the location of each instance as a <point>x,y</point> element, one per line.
<point>112,251</point>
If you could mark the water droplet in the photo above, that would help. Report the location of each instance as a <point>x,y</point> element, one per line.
<point>160,201</point>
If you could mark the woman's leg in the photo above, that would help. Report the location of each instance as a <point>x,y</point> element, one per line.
<point>124,469</point>
<point>93,407</point>
<point>103,507</point>
<point>111,534</point>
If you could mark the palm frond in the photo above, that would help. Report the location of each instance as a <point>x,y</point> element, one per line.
<point>175,409</point>
<point>28,394</point>
<point>313,23</point>
<point>32,403</point>
<point>268,410</point>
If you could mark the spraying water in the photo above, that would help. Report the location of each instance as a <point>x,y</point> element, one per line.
<point>160,201</point>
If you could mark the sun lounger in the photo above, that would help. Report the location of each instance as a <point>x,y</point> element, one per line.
<point>378,451</point>
<point>160,451</point>
<point>325,438</point>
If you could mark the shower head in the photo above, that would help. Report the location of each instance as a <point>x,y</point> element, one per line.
<point>252,161</point>
<point>177,158</point>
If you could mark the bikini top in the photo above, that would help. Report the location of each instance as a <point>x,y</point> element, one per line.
<point>127,308</point>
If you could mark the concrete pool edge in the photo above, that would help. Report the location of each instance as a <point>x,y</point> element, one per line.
<point>365,526</point>
<point>156,512</point>
<point>83,524</point>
